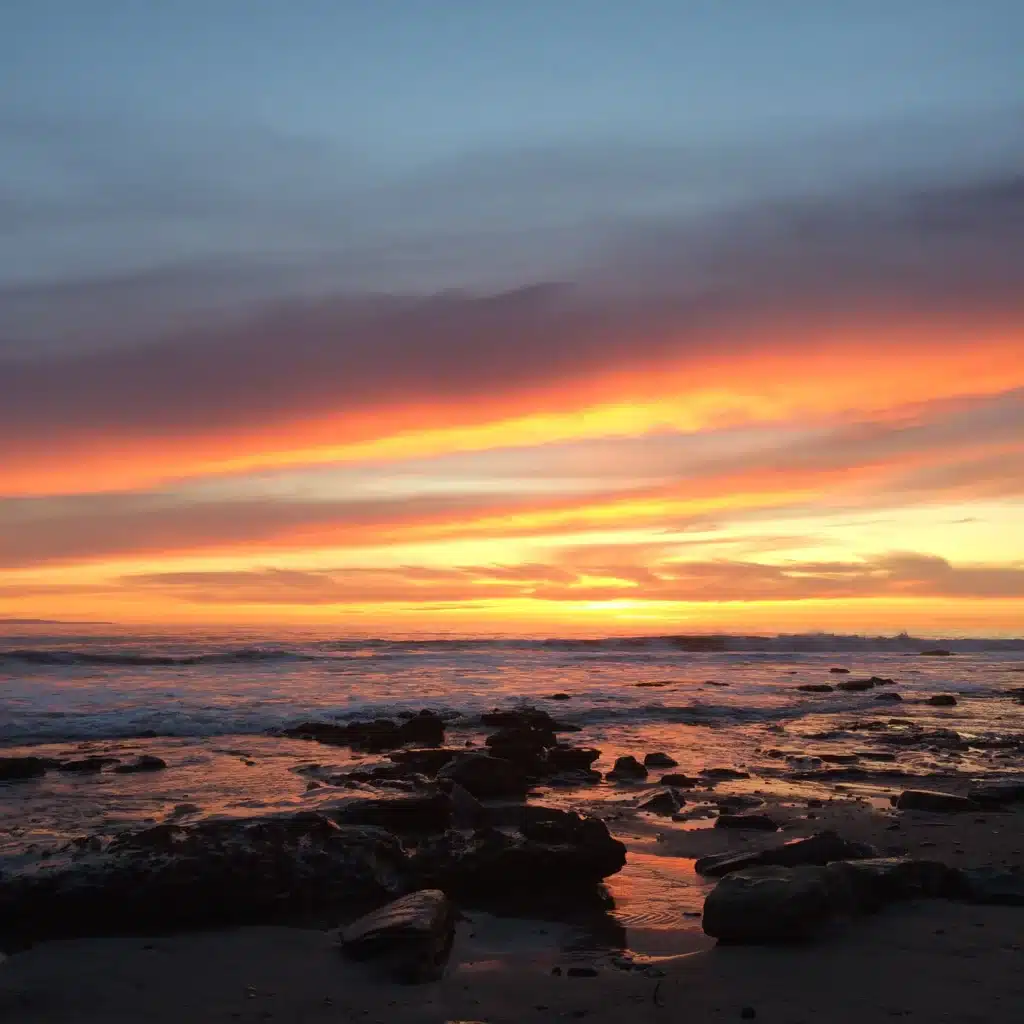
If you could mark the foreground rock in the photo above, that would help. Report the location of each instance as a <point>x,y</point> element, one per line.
<point>819,849</point>
<point>666,803</point>
<point>997,794</point>
<point>17,768</point>
<point>787,904</point>
<point>768,904</point>
<point>554,857</point>
<point>210,873</point>
<point>414,934</point>
<point>942,700</point>
<point>658,759</point>
<point>929,800</point>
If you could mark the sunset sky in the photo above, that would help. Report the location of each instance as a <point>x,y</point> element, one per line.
<point>525,317</point>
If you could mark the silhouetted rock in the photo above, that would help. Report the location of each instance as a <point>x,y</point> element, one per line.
<point>821,848</point>
<point>875,881</point>
<point>768,904</point>
<point>558,696</point>
<point>723,773</point>
<point>942,700</point>
<point>937,652</point>
<point>750,822</point>
<point>486,777</point>
<point>892,698</point>
<point>525,718</point>
<point>677,779</point>
<point>145,763</point>
<point>561,759</point>
<point>839,671</point>
<point>426,761</point>
<point>400,814</point>
<point>414,934</point>
<point>929,800</point>
<point>16,768</point>
<point>667,803</point>
<point>816,687</point>
<point>659,760</point>
<point>856,685</point>
<point>425,729</point>
<point>88,765</point>
<point>627,769</point>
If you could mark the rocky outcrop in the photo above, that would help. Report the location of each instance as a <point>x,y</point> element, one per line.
<point>405,815</point>
<point>210,873</point>
<point>425,729</point>
<point>998,793</point>
<point>413,935</point>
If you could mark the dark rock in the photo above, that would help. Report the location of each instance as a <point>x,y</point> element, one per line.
<point>751,822</point>
<point>679,781</point>
<point>209,873</point>
<point>659,760</point>
<point>16,768</point>
<point>426,761</point>
<point>581,972</point>
<point>576,777</point>
<point>401,814</point>
<point>467,811</point>
<point>487,778</point>
<point>997,794</point>
<point>937,652</point>
<point>558,696</point>
<point>839,671</point>
<point>821,848</point>
<point>88,765</point>
<point>942,700</point>
<point>856,685</point>
<point>893,698</point>
<point>723,773</point>
<point>525,718</point>
<point>145,763</point>
<point>563,759</point>
<point>627,769</point>
<point>769,904</point>
<point>748,1013</point>
<point>558,857</point>
<point>654,684</point>
<point>738,801</point>
<point>667,803</point>
<point>928,800</point>
<point>837,758</point>
<point>425,729</point>
<point>875,881</point>
<point>995,888</point>
<point>414,934</point>
<point>816,688</point>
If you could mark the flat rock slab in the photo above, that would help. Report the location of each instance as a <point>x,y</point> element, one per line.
<point>930,800</point>
<point>414,934</point>
<point>997,794</point>
<point>821,848</point>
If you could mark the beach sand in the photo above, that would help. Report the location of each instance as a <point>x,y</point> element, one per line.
<point>922,961</point>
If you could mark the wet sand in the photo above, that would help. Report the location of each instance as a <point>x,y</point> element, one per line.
<point>923,961</point>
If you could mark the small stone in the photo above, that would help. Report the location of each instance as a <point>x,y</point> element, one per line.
<point>666,803</point>
<point>627,768</point>
<point>839,671</point>
<point>942,700</point>
<point>145,763</point>
<point>751,822</point>
<point>581,972</point>
<point>659,760</point>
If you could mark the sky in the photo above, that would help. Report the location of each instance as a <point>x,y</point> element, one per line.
<point>575,316</point>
